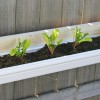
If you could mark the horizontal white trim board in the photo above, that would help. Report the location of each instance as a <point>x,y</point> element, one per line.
<point>49,66</point>
<point>39,68</point>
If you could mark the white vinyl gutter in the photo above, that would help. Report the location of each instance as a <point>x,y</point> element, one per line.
<point>24,71</point>
<point>39,68</point>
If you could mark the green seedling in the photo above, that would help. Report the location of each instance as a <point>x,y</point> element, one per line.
<point>51,41</point>
<point>20,49</point>
<point>80,37</point>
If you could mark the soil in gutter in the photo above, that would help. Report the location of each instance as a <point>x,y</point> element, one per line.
<point>42,54</point>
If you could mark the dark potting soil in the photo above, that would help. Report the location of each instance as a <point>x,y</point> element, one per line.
<point>44,53</point>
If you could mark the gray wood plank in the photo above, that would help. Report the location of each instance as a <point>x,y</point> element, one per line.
<point>93,98</point>
<point>97,72</point>
<point>7,91</point>
<point>24,88</point>
<point>66,78</point>
<point>31,15</point>
<point>96,11</point>
<point>91,12</point>
<point>29,87</point>
<point>27,15</point>
<point>71,12</point>
<point>85,74</point>
<point>46,83</point>
<point>90,91</point>
<point>51,12</point>
<point>7,17</point>
<point>52,96</point>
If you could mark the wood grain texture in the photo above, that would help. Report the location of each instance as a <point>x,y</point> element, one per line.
<point>51,12</point>
<point>71,12</point>
<point>17,16</point>
<point>66,78</point>
<point>24,88</point>
<point>97,72</point>
<point>85,74</point>
<point>96,11</point>
<point>6,91</point>
<point>89,91</point>
<point>7,17</point>
<point>46,83</point>
<point>27,15</point>
<point>91,11</point>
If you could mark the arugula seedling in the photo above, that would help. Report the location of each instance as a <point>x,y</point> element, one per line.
<point>51,41</point>
<point>80,37</point>
<point>20,49</point>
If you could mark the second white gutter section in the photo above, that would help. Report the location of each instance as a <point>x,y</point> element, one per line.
<point>44,67</point>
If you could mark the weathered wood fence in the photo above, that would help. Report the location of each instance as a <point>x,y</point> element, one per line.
<point>48,83</point>
<point>18,16</point>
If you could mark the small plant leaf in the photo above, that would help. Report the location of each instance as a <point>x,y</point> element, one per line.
<point>54,34</point>
<point>13,52</point>
<point>20,49</point>
<point>87,39</point>
<point>46,38</point>
<point>80,37</point>
<point>85,35</point>
<point>78,33</point>
<point>51,40</point>
<point>26,44</point>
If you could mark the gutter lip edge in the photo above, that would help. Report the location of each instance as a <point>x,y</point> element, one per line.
<point>21,68</point>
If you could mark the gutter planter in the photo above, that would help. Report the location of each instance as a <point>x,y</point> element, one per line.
<point>34,69</point>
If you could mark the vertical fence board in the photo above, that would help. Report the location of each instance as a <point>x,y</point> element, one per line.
<point>7,17</point>
<point>6,91</point>
<point>31,15</point>
<point>85,74</point>
<point>51,11</point>
<point>67,78</point>
<point>91,11</point>
<point>97,12</point>
<point>46,83</point>
<point>24,88</point>
<point>71,12</point>
<point>97,72</point>
<point>27,15</point>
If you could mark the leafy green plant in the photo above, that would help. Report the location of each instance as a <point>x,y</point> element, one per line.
<point>51,41</point>
<point>20,49</point>
<point>80,37</point>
